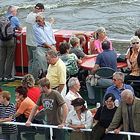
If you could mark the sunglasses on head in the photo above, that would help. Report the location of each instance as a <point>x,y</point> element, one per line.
<point>135,43</point>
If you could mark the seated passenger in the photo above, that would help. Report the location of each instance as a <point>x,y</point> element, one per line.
<point>103,118</point>
<point>82,41</point>
<point>108,58</point>
<point>76,49</point>
<point>118,86</point>
<point>79,118</point>
<point>70,60</point>
<point>96,42</point>
<point>133,59</point>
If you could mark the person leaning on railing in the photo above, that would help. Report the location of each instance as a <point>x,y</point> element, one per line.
<point>55,109</point>
<point>79,118</point>
<point>127,114</point>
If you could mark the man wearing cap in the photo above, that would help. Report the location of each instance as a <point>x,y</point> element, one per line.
<point>30,38</point>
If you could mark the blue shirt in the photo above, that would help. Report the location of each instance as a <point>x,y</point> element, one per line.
<point>117,92</point>
<point>14,21</point>
<point>108,58</point>
<point>44,34</point>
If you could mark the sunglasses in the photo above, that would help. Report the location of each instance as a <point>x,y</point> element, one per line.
<point>38,21</point>
<point>114,79</point>
<point>135,43</point>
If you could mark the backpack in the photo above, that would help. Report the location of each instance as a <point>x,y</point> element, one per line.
<point>6,29</point>
<point>71,66</point>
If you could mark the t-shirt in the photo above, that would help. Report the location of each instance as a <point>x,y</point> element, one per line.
<point>33,93</point>
<point>78,52</point>
<point>5,112</point>
<point>26,106</point>
<point>105,115</point>
<point>52,104</point>
<point>108,58</point>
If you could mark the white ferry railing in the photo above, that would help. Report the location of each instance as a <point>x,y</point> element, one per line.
<point>68,128</point>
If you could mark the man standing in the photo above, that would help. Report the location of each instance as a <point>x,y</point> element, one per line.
<point>30,38</point>
<point>55,108</point>
<point>7,46</point>
<point>56,72</point>
<point>127,114</point>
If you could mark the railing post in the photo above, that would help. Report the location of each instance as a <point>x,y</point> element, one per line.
<point>129,137</point>
<point>51,133</point>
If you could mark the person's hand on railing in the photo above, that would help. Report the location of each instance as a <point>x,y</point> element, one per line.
<point>28,123</point>
<point>106,131</point>
<point>117,131</point>
<point>61,125</point>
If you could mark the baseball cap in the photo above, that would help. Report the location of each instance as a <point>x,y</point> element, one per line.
<point>39,6</point>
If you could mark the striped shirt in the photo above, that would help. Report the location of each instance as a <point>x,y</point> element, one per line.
<point>5,112</point>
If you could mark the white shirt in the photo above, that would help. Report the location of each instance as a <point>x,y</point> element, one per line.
<point>30,21</point>
<point>71,96</point>
<point>86,118</point>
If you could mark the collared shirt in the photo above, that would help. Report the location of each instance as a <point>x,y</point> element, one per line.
<point>57,74</point>
<point>117,92</point>
<point>44,34</point>
<point>71,96</point>
<point>108,58</point>
<point>14,21</point>
<point>30,37</point>
<point>86,118</point>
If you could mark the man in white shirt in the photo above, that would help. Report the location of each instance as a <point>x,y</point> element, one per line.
<point>30,38</point>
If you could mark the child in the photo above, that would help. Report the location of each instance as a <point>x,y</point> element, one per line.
<point>7,110</point>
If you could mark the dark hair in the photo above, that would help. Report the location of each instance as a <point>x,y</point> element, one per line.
<point>79,102</point>
<point>82,38</point>
<point>137,33</point>
<point>39,6</point>
<point>64,46</point>
<point>105,45</point>
<point>22,91</point>
<point>110,95</point>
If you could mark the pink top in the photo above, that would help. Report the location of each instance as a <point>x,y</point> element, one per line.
<point>98,46</point>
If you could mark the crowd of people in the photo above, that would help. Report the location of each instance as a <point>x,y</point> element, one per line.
<point>57,94</point>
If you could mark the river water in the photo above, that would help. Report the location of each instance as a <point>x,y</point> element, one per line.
<point>120,17</point>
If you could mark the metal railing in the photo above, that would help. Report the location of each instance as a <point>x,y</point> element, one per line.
<point>129,134</point>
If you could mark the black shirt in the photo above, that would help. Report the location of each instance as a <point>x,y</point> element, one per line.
<point>105,115</point>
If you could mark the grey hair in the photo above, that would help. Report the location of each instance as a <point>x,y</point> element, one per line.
<point>127,93</point>
<point>72,81</point>
<point>12,8</point>
<point>52,53</point>
<point>119,75</point>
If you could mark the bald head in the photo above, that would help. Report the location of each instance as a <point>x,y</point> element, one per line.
<point>127,96</point>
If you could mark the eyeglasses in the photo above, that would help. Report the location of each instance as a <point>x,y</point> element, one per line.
<point>135,43</point>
